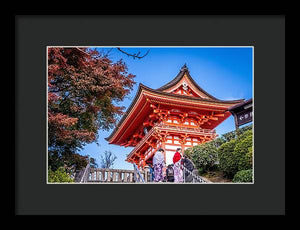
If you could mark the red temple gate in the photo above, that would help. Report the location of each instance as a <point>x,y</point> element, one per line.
<point>178,114</point>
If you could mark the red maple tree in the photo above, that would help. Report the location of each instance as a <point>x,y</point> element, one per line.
<point>83,85</point>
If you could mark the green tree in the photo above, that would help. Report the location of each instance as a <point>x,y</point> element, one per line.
<point>232,152</point>
<point>249,156</point>
<point>60,175</point>
<point>229,136</point>
<point>69,160</point>
<point>233,134</point>
<point>236,154</point>
<point>204,156</point>
<point>243,151</point>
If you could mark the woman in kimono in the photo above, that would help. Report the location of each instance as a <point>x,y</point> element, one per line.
<point>158,165</point>
<point>178,171</point>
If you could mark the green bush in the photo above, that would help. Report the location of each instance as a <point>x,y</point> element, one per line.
<point>233,154</point>
<point>243,176</point>
<point>236,154</point>
<point>232,135</point>
<point>204,156</point>
<point>227,161</point>
<point>249,156</point>
<point>60,175</point>
<point>241,151</point>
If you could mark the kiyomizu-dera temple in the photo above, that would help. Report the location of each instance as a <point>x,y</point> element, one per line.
<point>178,114</point>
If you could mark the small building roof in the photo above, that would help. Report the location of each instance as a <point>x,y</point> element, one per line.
<point>240,106</point>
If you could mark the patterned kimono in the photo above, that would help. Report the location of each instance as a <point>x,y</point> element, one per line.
<point>158,164</point>
<point>178,172</point>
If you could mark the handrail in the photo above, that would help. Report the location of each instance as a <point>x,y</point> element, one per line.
<point>196,178</point>
<point>85,175</point>
<point>137,171</point>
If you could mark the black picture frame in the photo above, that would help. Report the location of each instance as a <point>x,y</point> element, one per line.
<point>263,30</point>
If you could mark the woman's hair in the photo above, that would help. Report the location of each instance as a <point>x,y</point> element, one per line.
<point>161,150</point>
<point>178,149</point>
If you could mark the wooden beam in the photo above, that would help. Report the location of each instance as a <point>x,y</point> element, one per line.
<point>129,143</point>
<point>153,106</point>
<point>146,123</point>
<point>213,118</point>
<point>135,135</point>
<point>219,115</point>
<point>153,117</point>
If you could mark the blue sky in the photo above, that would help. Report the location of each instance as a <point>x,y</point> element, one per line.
<point>224,72</point>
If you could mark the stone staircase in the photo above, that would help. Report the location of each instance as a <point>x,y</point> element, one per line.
<point>104,175</point>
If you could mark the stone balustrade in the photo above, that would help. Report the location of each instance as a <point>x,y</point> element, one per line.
<point>115,175</point>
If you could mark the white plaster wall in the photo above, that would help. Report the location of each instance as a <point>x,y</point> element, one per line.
<point>169,157</point>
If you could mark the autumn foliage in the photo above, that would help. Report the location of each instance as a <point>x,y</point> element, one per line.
<point>83,86</point>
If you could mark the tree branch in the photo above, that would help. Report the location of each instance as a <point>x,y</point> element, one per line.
<point>82,51</point>
<point>133,55</point>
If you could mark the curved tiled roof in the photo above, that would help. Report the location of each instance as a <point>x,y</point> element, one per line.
<point>189,97</point>
<point>184,70</point>
<point>161,92</point>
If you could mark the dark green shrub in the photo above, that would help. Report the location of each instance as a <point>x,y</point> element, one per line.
<point>60,175</point>
<point>236,155</point>
<point>232,135</point>
<point>243,176</point>
<point>229,136</point>
<point>249,156</point>
<point>232,154</point>
<point>227,161</point>
<point>204,156</point>
<point>218,141</point>
<point>245,128</point>
<point>243,151</point>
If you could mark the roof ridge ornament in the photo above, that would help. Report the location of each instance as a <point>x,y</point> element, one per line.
<point>185,85</point>
<point>184,67</point>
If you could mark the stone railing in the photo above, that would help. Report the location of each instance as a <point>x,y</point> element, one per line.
<point>187,129</point>
<point>115,175</point>
<point>102,175</point>
<point>195,178</point>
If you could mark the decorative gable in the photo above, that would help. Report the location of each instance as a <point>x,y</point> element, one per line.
<point>185,89</point>
<point>184,84</point>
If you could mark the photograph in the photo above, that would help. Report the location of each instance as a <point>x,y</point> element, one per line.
<point>150,115</point>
